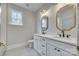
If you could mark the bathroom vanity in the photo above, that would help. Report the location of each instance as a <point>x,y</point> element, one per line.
<point>61,44</point>
<point>51,45</point>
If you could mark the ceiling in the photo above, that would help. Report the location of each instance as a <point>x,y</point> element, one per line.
<point>32,6</point>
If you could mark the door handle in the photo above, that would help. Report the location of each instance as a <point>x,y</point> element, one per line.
<point>43,46</point>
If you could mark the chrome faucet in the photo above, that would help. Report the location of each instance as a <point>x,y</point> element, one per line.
<point>63,34</point>
<point>68,35</point>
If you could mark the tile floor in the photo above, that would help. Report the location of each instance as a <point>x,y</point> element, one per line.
<point>22,51</point>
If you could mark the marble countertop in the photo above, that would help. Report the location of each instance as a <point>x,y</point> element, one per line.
<point>71,40</point>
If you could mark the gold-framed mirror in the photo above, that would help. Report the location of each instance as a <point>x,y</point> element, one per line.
<point>66,17</point>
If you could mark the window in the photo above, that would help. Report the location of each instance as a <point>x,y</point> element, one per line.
<point>16,18</point>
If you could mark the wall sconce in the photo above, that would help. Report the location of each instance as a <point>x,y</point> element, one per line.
<point>43,12</point>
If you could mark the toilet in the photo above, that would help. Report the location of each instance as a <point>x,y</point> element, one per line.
<point>30,43</point>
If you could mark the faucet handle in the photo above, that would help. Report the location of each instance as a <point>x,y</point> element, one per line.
<point>63,34</point>
<point>59,35</point>
<point>68,35</point>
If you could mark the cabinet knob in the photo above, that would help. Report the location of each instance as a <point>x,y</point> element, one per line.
<point>43,53</point>
<point>43,39</point>
<point>58,50</point>
<point>43,46</point>
<point>55,48</point>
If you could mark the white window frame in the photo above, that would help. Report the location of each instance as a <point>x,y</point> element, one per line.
<point>18,21</point>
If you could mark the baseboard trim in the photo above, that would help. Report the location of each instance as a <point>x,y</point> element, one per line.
<point>16,45</point>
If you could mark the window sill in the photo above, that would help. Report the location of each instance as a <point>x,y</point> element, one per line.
<point>15,24</point>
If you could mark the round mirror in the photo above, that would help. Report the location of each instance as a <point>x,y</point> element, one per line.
<point>66,18</point>
<point>44,24</point>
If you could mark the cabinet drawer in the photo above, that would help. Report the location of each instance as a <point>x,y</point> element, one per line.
<point>43,48</point>
<point>43,53</point>
<point>36,37</point>
<point>64,46</point>
<point>43,39</point>
<point>43,45</point>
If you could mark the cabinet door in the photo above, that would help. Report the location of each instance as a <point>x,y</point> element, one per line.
<point>51,51</point>
<point>35,42</point>
<point>39,45</point>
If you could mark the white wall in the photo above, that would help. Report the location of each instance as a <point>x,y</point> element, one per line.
<point>0,24</point>
<point>78,24</point>
<point>21,34</point>
<point>3,28</point>
<point>3,23</point>
<point>52,21</point>
<point>0,31</point>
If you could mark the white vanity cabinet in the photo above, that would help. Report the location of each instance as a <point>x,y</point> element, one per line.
<point>50,47</point>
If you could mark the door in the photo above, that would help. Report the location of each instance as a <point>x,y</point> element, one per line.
<point>3,25</point>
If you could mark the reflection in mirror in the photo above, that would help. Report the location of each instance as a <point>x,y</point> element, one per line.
<point>66,18</point>
<point>67,23</point>
<point>44,24</point>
